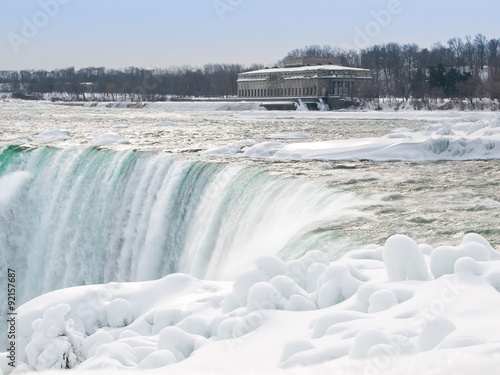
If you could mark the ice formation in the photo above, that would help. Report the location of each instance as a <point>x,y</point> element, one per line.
<point>108,139</point>
<point>472,139</point>
<point>364,312</point>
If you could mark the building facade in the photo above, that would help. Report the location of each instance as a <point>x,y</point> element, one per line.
<point>305,78</point>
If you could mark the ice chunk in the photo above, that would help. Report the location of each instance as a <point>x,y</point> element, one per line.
<point>404,260</point>
<point>263,150</point>
<point>228,150</point>
<point>108,139</point>
<point>54,133</point>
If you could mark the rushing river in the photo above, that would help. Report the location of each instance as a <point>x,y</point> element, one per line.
<point>72,214</point>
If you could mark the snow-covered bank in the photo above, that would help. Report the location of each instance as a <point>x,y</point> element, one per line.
<point>371,312</point>
<point>475,138</point>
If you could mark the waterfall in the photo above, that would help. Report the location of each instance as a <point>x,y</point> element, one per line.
<point>82,216</point>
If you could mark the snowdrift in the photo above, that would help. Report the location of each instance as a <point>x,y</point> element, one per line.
<point>368,313</point>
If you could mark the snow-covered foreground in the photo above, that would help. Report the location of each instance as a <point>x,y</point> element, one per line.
<point>392,309</point>
<point>474,137</point>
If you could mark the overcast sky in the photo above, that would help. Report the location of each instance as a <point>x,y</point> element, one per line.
<point>47,34</point>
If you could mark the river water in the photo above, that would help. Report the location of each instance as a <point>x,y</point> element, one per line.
<point>72,214</point>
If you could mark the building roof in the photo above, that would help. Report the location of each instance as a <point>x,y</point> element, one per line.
<point>304,69</point>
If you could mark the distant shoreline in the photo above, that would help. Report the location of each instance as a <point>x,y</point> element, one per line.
<point>284,104</point>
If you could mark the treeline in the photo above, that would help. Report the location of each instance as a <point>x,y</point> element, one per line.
<point>132,83</point>
<point>463,68</point>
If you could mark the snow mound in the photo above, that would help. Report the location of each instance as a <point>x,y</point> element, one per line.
<point>368,311</point>
<point>55,344</point>
<point>108,139</point>
<point>119,313</point>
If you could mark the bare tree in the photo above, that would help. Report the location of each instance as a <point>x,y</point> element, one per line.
<point>480,43</point>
